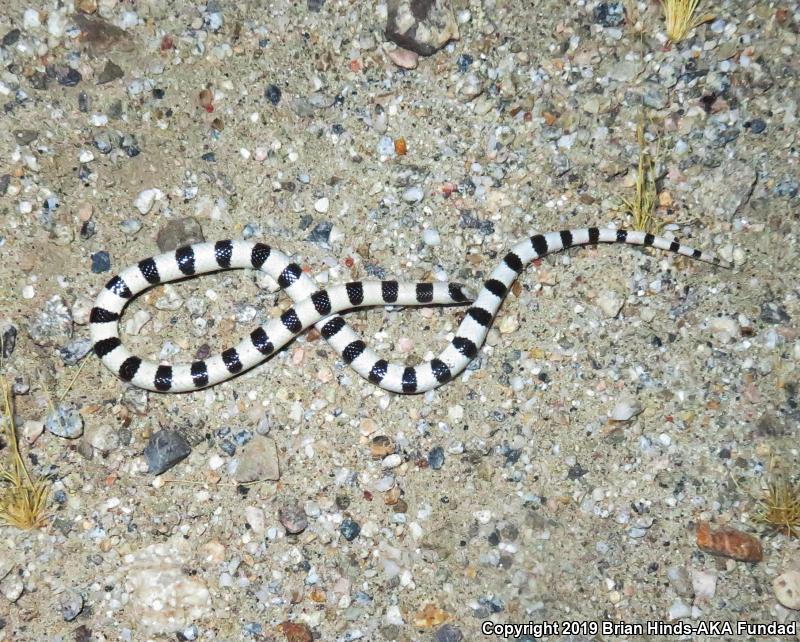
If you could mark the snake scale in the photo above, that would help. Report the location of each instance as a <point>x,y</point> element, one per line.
<point>320,307</point>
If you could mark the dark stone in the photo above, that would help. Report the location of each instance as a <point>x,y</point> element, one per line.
<point>757,126</point>
<point>180,232</point>
<point>350,529</point>
<point>165,449</point>
<point>39,81</point>
<point>774,313</point>
<point>88,230</point>
<point>25,136</point>
<point>321,233</point>
<point>576,472</point>
<point>609,14</point>
<point>11,37</point>
<point>5,181</point>
<point>463,62</point>
<point>436,457</point>
<point>84,104</point>
<point>315,5</point>
<point>448,633</point>
<point>8,339</point>
<point>110,72</point>
<point>101,262</point>
<point>68,77</point>
<point>273,94</point>
<point>423,26</point>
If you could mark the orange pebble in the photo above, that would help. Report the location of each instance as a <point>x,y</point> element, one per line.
<point>728,542</point>
<point>206,99</point>
<point>400,146</point>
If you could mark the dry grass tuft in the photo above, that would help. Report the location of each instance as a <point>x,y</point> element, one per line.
<point>680,17</point>
<point>23,501</point>
<point>642,205</point>
<point>780,507</point>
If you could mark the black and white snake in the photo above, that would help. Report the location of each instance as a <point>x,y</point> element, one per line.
<point>313,306</point>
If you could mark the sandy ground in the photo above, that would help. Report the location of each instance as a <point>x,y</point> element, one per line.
<point>512,496</point>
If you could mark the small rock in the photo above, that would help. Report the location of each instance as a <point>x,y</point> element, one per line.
<point>102,437</point>
<point>404,58</point>
<point>75,350</point>
<point>678,610</point>
<point>180,232</point>
<point>273,94</point>
<point>436,457</point>
<point>704,584</point>
<point>65,422</point>
<point>53,325</point>
<point>71,605</point>
<point>5,181</point>
<point>610,14</point>
<point>294,631</point>
<point>165,449</point>
<point>350,529</point>
<point>68,77</point>
<point>255,518</point>
<point>725,329</point>
<point>728,542</point>
<point>774,313</point>
<point>24,136</point>
<point>448,633</point>
<point>423,26</point>
<point>625,410</point>
<point>381,446</point>
<point>758,126</point>
<point>679,579</point>
<point>144,201</point>
<point>431,237</point>
<point>321,233</point>
<point>413,194</point>
<point>11,587</point>
<point>787,589</point>
<point>322,205</point>
<point>258,461</point>
<point>728,189</point>
<point>110,72</point>
<point>609,303</point>
<point>293,518</point>
<point>315,6</point>
<point>8,340</point>
<point>101,262</point>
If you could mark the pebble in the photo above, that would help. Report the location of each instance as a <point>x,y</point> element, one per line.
<point>273,94</point>
<point>101,262</point>
<point>787,589</point>
<point>258,461</point>
<point>392,461</point>
<point>678,610</point>
<point>293,518</point>
<point>436,457</point>
<point>625,410</point>
<point>71,604</point>
<point>75,350</point>
<point>165,449</point>
<point>146,198</point>
<point>130,226</point>
<point>110,73</point>
<point>679,579</point>
<point>256,519</point>
<point>322,205</point>
<point>773,313</point>
<point>297,631</point>
<point>724,328</point>
<point>431,237</point>
<point>610,14</point>
<point>413,194</point>
<point>448,633</point>
<point>729,542</point>
<point>179,232</point>
<point>404,58</point>
<point>423,26</point>
<point>52,326</point>
<point>8,339</point>
<point>609,303</point>
<point>704,584</point>
<point>350,529</point>
<point>65,422</point>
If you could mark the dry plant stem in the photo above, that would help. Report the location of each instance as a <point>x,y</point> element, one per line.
<point>780,508</point>
<point>23,502</point>
<point>680,18</point>
<point>642,205</point>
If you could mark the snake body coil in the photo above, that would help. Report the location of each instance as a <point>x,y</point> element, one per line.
<point>319,307</point>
